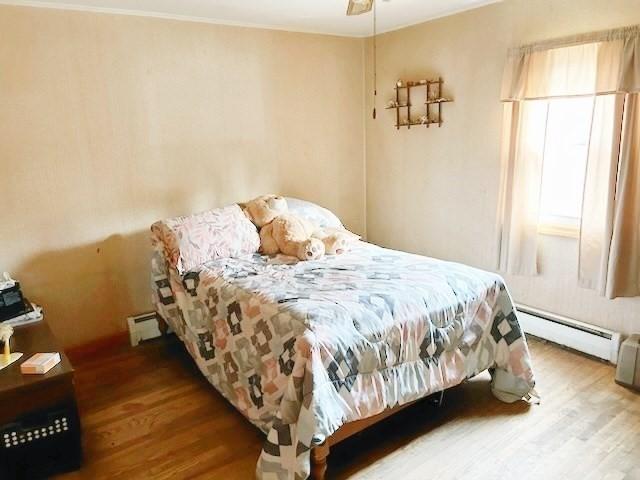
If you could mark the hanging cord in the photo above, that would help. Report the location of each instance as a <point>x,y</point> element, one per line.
<point>375,66</point>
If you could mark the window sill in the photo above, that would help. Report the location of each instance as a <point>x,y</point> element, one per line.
<point>555,230</point>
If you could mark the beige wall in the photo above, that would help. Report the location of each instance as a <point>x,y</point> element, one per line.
<point>434,192</point>
<point>108,123</point>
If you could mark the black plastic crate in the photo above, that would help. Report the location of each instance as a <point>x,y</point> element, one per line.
<point>40,445</point>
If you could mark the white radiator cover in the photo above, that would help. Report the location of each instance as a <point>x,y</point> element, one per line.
<point>143,327</point>
<point>580,336</point>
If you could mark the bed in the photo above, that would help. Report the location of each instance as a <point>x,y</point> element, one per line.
<point>312,351</point>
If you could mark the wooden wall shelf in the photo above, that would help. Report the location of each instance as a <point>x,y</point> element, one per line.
<point>432,95</point>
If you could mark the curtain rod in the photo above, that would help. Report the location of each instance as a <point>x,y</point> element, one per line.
<point>592,37</point>
<point>574,95</point>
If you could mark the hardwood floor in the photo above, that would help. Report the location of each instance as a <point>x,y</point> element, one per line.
<point>148,413</point>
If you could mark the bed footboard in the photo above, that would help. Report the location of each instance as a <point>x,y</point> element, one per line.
<point>320,453</point>
<point>319,456</point>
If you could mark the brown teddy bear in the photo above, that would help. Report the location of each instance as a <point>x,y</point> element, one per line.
<point>293,235</point>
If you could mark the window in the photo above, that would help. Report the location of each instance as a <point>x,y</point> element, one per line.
<point>564,166</point>
<point>566,100</point>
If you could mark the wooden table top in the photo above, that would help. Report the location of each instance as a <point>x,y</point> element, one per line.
<point>31,339</point>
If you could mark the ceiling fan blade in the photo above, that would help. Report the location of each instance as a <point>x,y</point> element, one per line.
<point>357,7</point>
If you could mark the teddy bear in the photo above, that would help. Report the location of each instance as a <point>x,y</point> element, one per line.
<point>284,232</point>
<point>336,241</point>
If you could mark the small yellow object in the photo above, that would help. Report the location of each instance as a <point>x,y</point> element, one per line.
<point>7,358</point>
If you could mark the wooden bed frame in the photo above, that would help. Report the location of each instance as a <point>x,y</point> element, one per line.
<point>320,453</point>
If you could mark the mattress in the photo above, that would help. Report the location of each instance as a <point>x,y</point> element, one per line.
<point>302,348</point>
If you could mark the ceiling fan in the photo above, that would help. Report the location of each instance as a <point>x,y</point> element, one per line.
<point>357,7</point>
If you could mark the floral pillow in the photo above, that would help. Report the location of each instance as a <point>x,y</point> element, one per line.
<point>193,240</point>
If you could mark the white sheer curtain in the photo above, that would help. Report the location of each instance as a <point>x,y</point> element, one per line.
<point>599,191</point>
<point>605,65</point>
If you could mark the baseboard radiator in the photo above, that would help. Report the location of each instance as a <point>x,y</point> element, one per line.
<point>143,327</point>
<point>580,336</point>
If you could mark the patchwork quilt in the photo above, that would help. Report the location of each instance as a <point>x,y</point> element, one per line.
<point>302,348</point>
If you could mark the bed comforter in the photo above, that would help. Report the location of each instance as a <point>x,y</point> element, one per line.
<point>302,348</point>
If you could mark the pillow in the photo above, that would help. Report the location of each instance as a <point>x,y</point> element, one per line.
<point>316,214</point>
<point>190,241</point>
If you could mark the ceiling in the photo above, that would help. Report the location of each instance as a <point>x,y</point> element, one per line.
<point>320,16</point>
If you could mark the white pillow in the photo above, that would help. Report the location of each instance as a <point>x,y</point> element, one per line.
<point>316,214</point>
